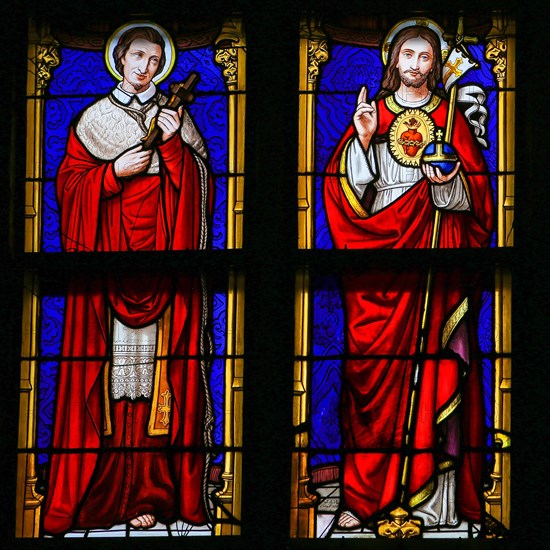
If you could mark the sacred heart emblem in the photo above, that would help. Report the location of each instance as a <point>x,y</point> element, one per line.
<point>411,139</point>
<point>408,136</point>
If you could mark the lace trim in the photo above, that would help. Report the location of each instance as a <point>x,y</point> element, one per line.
<point>133,362</point>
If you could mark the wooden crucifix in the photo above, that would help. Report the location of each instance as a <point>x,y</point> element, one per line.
<point>181,93</point>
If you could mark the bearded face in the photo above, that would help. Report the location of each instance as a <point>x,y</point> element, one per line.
<point>414,79</point>
<point>415,62</point>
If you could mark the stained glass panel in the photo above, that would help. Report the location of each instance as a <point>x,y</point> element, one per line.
<point>404,371</point>
<point>132,375</point>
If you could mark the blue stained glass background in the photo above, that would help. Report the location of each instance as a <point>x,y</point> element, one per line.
<point>51,330</point>
<point>217,369</point>
<point>81,73</point>
<point>351,67</point>
<point>328,346</point>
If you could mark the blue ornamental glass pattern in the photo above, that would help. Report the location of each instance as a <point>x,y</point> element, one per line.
<point>51,329</point>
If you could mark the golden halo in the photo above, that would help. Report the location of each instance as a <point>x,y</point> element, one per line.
<point>169,49</point>
<point>417,22</point>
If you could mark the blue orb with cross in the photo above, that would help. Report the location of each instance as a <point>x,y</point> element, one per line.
<point>441,155</point>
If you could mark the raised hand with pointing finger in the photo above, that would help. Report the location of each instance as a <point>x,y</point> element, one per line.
<point>365,118</point>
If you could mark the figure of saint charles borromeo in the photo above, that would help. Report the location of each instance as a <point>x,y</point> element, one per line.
<point>120,405</point>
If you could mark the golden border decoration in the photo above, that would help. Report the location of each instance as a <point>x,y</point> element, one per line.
<point>395,108</point>
<point>452,321</point>
<point>346,187</point>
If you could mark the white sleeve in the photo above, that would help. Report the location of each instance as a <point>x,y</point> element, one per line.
<point>451,195</point>
<point>360,167</point>
<point>191,135</point>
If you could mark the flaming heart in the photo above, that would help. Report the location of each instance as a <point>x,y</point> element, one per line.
<point>411,139</point>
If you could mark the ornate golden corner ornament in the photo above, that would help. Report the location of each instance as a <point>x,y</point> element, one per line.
<point>230,39</point>
<point>47,58</point>
<point>399,526</point>
<point>503,441</point>
<point>317,48</point>
<point>317,54</point>
<point>495,52</point>
<point>496,49</point>
<point>43,55</point>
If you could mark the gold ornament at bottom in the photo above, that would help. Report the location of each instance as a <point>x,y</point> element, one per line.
<point>399,526</point>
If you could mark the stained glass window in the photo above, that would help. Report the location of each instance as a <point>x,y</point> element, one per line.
<point>283,283</point>
<point>403,373</point>
<point>131,373</point>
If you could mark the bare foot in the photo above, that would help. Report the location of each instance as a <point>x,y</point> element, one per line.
<point>347,520</point>
<point>144,521</point>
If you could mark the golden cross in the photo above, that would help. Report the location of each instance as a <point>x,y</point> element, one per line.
<point>453,68</point>
<point>165,407</point>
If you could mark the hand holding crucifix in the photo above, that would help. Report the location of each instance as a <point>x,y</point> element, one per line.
<point>168,120</point>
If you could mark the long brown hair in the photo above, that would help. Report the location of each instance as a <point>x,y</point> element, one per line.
<point>391,80</point>
<point>138,33</point>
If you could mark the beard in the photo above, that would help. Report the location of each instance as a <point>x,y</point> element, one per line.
<point>413,82</point>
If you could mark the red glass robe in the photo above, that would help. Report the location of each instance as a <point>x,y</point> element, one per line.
<point>382,315</point>
<point>148,212</point>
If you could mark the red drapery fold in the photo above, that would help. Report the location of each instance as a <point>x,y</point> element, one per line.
<point>99,213</point>
<point>383,309</point>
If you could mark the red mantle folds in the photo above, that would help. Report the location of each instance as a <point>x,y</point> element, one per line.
<point>149,212</point>
<point>382,314</point>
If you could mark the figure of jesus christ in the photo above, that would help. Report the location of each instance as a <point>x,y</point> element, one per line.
<point>379,194</point>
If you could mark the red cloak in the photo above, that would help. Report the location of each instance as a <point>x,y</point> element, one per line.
<point>88,486</point>
<point>382,320</point>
